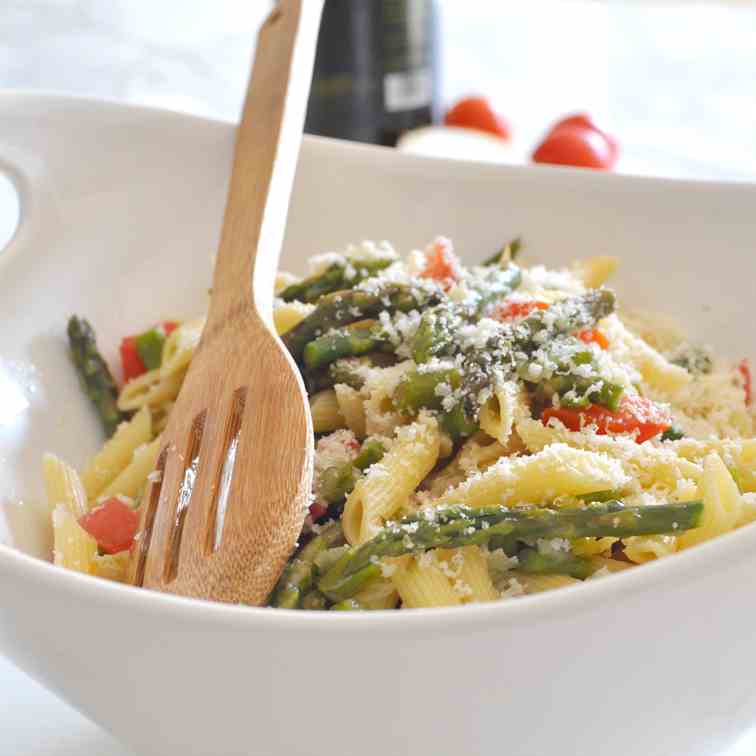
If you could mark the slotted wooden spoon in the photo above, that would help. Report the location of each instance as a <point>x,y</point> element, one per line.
<point>236,466</point>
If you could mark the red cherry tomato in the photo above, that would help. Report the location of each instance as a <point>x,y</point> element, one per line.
<point>318,510</point>
<point>113,524</point>
<point>744,369</point>
<point>514,310</point>
<point>441,264</point>
<point>584,121</point>
<point>477,113</point>
<point>636,414</point>
<point>577,146</point>
<point>594,336</point>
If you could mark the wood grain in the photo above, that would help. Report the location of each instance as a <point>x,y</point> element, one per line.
<point>241,374</point>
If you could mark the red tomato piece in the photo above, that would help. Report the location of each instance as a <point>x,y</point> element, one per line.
<point>441,264</point>
<point>318,510</point>
<point>169,326</point>
<point>594,336</point>
<point>130,360</point>
<point>576,146</point>
<point>744,369</point>
<point>113,524</point>
<point>514,310</point>
<point>477,113</point>
<point>584,121</point>
<point>636,414</point>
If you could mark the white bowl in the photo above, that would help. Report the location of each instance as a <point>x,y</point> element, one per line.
<point>121,213</point>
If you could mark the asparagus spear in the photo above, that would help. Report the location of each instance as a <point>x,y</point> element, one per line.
<point>672,434</point>
<point>457,525</point>
<point>510,251</point>
<point>436,334</point>
<point>356,339</point>
<point>336,277</point>
<point>314,600</point>
<point>348,605</point>
<point>535,563</point>
<point>297,578</point>
<point>338,481</point>
<point>341,308</point>
<point>94,372</point>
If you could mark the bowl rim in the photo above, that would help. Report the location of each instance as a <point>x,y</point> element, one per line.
<point>737,546</point>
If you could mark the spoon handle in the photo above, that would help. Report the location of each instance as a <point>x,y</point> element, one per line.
<point>269,135</point>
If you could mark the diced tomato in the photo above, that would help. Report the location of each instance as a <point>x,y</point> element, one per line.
<point>514,310</point>
<point>130,360</point>
<point>636,414</point>
<point>441,264</point>
<point>169,326</point>
<point>477,113</point>
<point>318,510</point>
<point>113,524</point>
<point>594,336</point>
<point>576,146</point>
<point>585,121</point>
<point>744,369</point>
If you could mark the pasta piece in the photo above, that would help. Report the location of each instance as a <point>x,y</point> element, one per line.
<point>656,371</point>
<point>557,471</point>
<point>288,314</point>
<point>540,583</point>
<point>63,487</point>
<point>611,565</point>
<point>421,583</point>
<point>117,453</point>
<point>388,484</point>
<point>326,415</point>
<point>73,547</point>
<point>151,390</point>
<point>748,510</point>
<point>473,580</point>
<point>660,332</point>
<point>595,271</point>
<point>111,566</point>
<point>381,418</point>
<point>722,504</point>
<point>132,480</point>
<point>498,414</point>
<point>180,346</point>
<point>589,547</point>
<point>352,408</point>
<point>641,549</point>
<point>648,465</point>
<point>738,455</point>
<point>378,594</point>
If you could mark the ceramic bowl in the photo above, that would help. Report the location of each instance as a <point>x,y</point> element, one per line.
<point>121,210</point>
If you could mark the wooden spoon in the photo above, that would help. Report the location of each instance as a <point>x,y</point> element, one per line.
<point>213,528</point>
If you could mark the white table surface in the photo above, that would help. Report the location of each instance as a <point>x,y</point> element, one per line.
<point>192,55</point>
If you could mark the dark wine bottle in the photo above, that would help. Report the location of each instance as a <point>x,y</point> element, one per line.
<point>375,70</point>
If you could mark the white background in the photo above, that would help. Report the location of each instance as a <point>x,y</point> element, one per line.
<point>675,81</point>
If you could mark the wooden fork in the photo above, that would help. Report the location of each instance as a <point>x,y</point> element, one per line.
<point>233,479</point>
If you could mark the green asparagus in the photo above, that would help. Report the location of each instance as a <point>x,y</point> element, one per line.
<point>351,341</point>
<point>297,578</point>
<point>672,434</point>
<point>344,307</point>
<point>336,277</point>
<point>458,525</point>
<point>534,562</point>
<point>94,373</point>
<point>436,335</point>
<point>507,252</point>
<point>337,482</point>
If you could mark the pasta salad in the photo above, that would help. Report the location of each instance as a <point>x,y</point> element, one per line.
<point>481,432</point>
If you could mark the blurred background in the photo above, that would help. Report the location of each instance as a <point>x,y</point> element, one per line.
<point>673,82</point>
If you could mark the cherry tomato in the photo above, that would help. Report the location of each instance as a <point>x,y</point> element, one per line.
<point>113,524</point>
<point>318,510</point>
<point>744,369</point>
<point>441,264</point>
<point>577,146</point>
<point>584,121</point>
<point>514,310</point>
<point>477,113</point>
<point>594,336</point>
<point>636,414</point>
